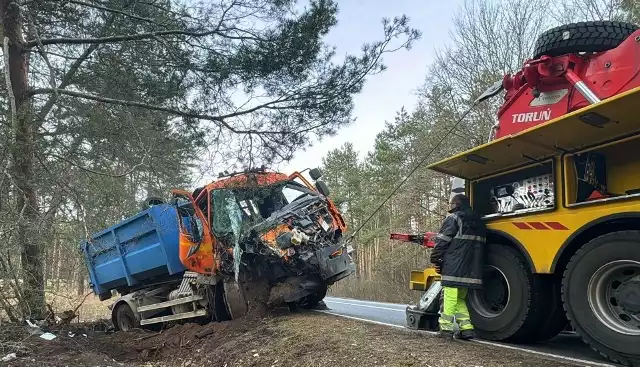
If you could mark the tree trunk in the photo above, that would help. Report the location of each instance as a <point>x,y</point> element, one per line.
<point>22,156</point>
<point>57,264</point>
<point>80,282</point>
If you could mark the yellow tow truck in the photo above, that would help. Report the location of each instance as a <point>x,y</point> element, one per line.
<point>560,195</point>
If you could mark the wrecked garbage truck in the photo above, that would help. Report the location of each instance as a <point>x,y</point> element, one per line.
<point>247,239</point>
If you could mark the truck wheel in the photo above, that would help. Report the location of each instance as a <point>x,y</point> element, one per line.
<point>216,306</point>
<point>312,300</point>
<point>601,294</point>
<point>552,318</point>
<point>503,309</point>
<point>234,299</point>
<point>595,36</point>
<point>124,319</point>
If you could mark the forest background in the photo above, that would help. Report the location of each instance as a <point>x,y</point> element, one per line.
<point>106,102</point>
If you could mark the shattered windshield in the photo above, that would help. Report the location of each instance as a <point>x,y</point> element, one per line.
<point>227,215</point>
<point>233,207</point>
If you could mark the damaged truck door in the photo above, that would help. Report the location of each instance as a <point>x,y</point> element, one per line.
<point>195,239</point>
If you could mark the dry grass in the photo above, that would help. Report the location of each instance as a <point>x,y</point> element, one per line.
<point>323,340</point>
<point>63,299</point>
<point>91,308</point>
<point>305,339</point>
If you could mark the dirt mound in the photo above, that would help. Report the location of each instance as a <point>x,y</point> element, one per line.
<point>74,345</point>
<point>301,339</point>
<point>182,340</point>
<point>97,344</point>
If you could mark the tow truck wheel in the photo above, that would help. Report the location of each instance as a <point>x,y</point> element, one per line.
<point>550,311</point>
<point>594,36</point>
<point>601,295</point>
<point>504,309</point>
<point>124,319</point>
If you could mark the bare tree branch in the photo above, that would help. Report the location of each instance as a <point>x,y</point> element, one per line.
<point>68,76</point>
<point>41,51</point>
<point>111,10</point>
<point>217,119</point>
<point>132,37</point>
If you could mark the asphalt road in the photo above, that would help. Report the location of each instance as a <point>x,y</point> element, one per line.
<point>564,345</point>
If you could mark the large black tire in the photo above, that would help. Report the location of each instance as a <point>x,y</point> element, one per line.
<point>234,298</point>
<point>550,311</point>
<point>619,252</point>
<point>313,300</point>
<point>124,319</point>
<point>524,315</point>
<point>595,36</point>
<point>495,317</point>
<point>219,307</point>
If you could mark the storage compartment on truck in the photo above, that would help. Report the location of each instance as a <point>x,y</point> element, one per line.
<point>608,172</point>
<point>138,251</point>
<point>524,190</point>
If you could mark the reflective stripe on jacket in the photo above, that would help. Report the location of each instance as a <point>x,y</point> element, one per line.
<point>459,249</point>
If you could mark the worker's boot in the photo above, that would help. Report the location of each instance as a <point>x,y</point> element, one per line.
<point>445,334</point>
<point>466,335</point>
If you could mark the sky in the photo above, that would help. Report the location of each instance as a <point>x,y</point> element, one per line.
<point>359,21</point>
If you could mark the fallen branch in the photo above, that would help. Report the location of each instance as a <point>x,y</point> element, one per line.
<point>149,336</point>
<point>66,316</point>
<point>204,333</point>
<point>51,316</point>
<point>69,315</point>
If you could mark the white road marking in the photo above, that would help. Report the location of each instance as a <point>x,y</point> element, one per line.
<point>361,301</point>
<point>499,345</point>
<point>365,320</point>
<point>361,305</point>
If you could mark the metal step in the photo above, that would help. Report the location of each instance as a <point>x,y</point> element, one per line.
<point>174,302</point>
<point>184,315</point>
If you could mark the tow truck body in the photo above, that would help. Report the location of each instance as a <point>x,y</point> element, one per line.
<point>558,186</point>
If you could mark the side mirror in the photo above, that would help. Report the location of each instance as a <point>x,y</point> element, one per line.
<point>315,174</point>
<point>322,188</point>
<point>151,201</point>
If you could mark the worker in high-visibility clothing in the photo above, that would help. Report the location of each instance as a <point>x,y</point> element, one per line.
<point>458,256</point>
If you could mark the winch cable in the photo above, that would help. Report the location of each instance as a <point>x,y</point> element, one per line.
<point>415,168</point>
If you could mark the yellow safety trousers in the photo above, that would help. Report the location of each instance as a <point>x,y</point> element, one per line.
<point>453,306</point>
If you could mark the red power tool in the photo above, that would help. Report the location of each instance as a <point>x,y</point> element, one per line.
<point>425,240</point>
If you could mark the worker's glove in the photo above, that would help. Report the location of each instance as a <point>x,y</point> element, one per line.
<point>438,267</point>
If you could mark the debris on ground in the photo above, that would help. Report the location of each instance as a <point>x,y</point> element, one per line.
<point>47,336</point>
<point>9,357</point>
<point>304,338</point>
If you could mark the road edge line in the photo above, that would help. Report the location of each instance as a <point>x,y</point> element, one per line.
<point>368,306</point>
<point>499,345</point>
<point>368,301</point>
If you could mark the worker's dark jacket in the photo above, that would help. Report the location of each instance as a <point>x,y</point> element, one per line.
<point>459,249</point>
